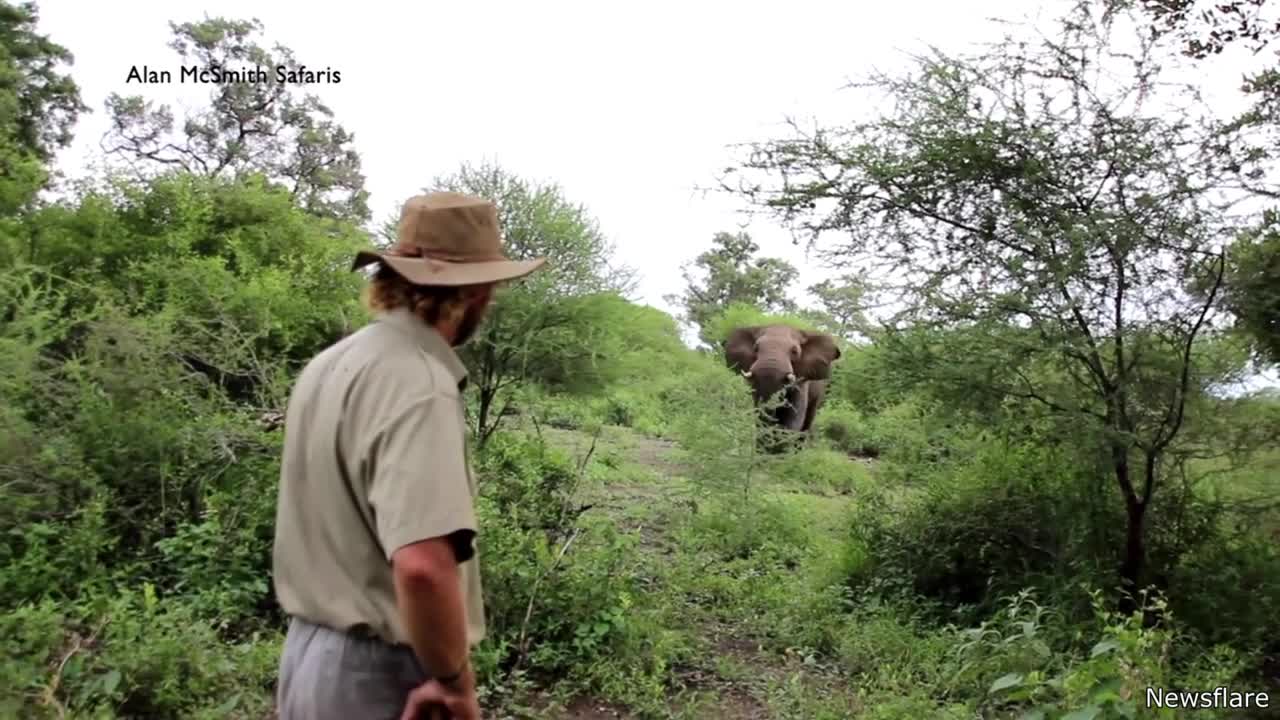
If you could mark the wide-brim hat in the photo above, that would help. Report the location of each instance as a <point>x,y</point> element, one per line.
<point>449,239</point>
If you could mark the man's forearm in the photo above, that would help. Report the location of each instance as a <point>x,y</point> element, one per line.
<point>435,619</point>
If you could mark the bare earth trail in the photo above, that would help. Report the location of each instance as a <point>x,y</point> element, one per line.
<point>735,674</point>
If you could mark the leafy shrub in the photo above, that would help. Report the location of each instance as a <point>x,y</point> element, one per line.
<point>978,531</point>
<point>560,592</point>
<point>530,484</point>
<point>1227,592</point>
<point>220,567</point>
<point>1027,660</point>
<point>848,431</point>
<point>635,409</point>
<point>761,528</point>
<point>130,655</point>
<point>820,470</point>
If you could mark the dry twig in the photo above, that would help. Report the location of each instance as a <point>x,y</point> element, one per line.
<point>50,694</point>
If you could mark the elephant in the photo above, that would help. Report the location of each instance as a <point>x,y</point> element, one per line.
<point>779,358</point>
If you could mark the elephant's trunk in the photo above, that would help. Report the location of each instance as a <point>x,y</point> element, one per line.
<point>768,381</point>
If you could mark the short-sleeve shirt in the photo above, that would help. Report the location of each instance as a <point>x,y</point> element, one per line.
<point>375,458</point>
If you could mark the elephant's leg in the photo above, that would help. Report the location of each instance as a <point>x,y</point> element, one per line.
<point>816,393</point>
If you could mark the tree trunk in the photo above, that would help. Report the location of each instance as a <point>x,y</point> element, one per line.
<point>1135,550</point>
<point>1135,555</point>
<point>482,416</point>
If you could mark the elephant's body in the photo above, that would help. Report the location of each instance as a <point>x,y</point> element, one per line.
<point>780,359</point>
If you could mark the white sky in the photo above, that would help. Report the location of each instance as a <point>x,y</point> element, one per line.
<point>629,108</point>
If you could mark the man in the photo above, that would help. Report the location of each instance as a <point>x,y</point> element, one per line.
<point>374,558</point>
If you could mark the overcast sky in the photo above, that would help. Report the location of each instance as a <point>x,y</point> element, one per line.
<point>630,108</point>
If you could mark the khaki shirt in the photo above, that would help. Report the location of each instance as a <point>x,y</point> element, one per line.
<point>374,459</point>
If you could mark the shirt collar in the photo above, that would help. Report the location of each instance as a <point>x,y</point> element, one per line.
<point>429,339</point>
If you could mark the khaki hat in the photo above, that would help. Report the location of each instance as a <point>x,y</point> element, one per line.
<point>448,238</point>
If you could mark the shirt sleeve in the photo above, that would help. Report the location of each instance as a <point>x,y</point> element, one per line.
<point>419,487</point>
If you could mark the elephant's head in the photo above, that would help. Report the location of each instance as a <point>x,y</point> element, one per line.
<point>771,357</point>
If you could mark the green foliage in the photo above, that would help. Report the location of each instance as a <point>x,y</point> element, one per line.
<point>534,484</point>
<point>131,654</point>
<point>561,594</point>
<point>842,306</point>
<point>715,425</point>
<point>977,532</point>
<point>240,273</point>
<point>733,276</point>
<point>738,314</point>
<point>1011,657</point>
<point>1251,286</point>
<point>38,104</point>
<point>821,470</point>
<point>848,430</point>
<point>1227,591</point>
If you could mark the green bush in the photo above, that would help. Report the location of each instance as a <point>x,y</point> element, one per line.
<point>130,655</point>
<point>820,470</point>
<point>637,409</point>
<point>530,484</point>
<point>1227,592</point>
<point>848,430</point>
<point>1027,660</point>
<point>561,592</point>
<point>978,531</point>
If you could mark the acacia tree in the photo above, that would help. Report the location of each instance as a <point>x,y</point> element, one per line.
<point>260,127</point>
<point>1246,147</point>
<point>1252,287</point>
<point>842,306</point>
<point>543,325</point>
<point>731,273</point>
<point>1033,195</point>
<point>1208,28</point>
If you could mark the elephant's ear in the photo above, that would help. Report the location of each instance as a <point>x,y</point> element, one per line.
<point>740,348</point>
<point>817,354</point>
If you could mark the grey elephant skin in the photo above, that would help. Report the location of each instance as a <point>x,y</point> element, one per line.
<point>781,359</point>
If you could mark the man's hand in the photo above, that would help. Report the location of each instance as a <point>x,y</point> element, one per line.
<point>434,700</point>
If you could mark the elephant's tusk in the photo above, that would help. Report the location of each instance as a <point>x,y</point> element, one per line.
<point>746,374</point>
<point>791,377</point>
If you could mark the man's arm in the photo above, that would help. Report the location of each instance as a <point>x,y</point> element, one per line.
<point>421,499</point>
<point>430,602</point>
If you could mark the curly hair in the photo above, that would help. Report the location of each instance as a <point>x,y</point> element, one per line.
<point>388,290</point>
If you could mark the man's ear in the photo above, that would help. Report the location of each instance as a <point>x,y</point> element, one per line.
<point>817,353</point>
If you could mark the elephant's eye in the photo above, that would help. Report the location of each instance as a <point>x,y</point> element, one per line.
<point>795,351</point>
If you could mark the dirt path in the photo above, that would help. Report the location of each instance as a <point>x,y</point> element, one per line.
<point>734,679</point>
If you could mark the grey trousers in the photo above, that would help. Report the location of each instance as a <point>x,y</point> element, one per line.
<point>330,675</point>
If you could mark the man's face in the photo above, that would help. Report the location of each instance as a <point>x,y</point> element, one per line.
<point>477,306</point>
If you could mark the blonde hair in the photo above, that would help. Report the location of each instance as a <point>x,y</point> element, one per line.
<point>388,290</point>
